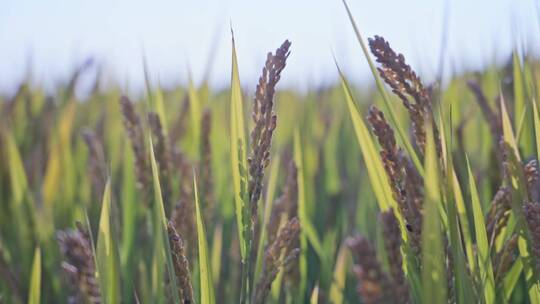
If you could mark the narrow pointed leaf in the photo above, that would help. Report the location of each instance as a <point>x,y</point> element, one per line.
<point>205,272</point>
<point>482,244</point>
<point>34,293</point>
<point>108,267</point>
<point>433,271</point>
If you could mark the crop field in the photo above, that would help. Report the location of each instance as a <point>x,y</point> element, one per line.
<point>403,192</point>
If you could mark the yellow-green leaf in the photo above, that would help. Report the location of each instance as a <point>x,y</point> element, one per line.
<point>340,272</point>
<point>482,244</point>
<point>433,270</point>
<point>162,243</point>
<point>388,106</point>
<point>238,154</point>
<point>372,160</point>
<point>108,270</point>
<point>34,293</point>
<point>205,272</point>
<point>536,129</point>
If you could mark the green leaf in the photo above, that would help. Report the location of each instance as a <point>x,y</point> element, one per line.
<point>340,272</point>
<point>307,227</point>
<point>302,216</point>
<point>536,129</point>
<point>207,288</point>
<point>511,278</point>
<point>130,210</point>
<point>34,293</point>
<point>18,181</point>
<point>217,247</point>
<point>315,295</point>
<point>433,270</point>
<point>238,154</point>
<point>464,221</point>
<point>463,284</point>
<point>162,245</point>
<point>403,135</point>
<point>508,132</point>
<point>519,95</point>
<point>517,183</point>
<point>482,243</point>
<point>239,173</point>
<point>375,168</point>
<point>108,268</point>
<point>522,117</point>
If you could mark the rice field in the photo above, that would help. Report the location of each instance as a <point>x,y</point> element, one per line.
<point>407,192</point>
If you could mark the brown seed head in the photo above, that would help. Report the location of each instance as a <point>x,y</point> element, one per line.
<point>181,265</point>
<point>264,123</point>
<point>96,162</point>
<point>278,255</point>
<point>133,127</point>
<point>79,264</point>
<point>392,242</point>
<point>532,217</point>
<point>374,286</point>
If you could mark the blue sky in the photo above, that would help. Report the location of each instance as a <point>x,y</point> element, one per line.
<point>177,37</point>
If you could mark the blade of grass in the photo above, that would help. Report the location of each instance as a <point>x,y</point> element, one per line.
<point>238,151</point>
<point>433,271</point>
<point>207,288</point>
<point>482,244</point>
<point>463,283</point>
<point>160,222</point>
<point>34,293</point>
<point>315,295</point>
<point>239,170</point>
<point>517,183</point>
<point>388,106</point>
<point>340,272</point>
<point>130,212</point>
<point>307,233</point>
<point>106,253</point>
<point>536,128</point>
<point>511,279</point>
<point>375,168</point>
<point>217,246</point>
<point>307,227</point>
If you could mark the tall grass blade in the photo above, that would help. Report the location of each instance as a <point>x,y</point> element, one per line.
<point>34,293</point>
<point>239,165</point>
<point>340,272</point>
<point>307,227</point>
<point>161,238</point>
<point>388,106</point>
<point>463,284</point>
<point>108,267</point>
<point>374,166</point>
<point>315,295</point>
<point>536,128</point>
<point>482,244</point>
<point>238,153</point>
<point>205,272</point>
<point>517,183</point>
<point>433,271</point>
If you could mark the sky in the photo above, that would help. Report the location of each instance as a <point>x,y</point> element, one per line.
<point>182,39</point>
